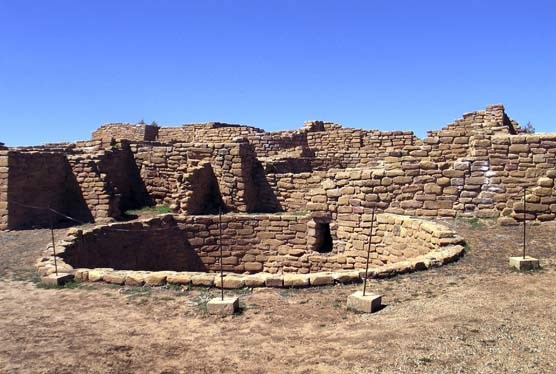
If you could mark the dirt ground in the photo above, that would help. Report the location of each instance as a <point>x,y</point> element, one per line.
<point>473,316</point>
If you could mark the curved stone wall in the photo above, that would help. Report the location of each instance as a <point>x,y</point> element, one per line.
<point>279,250</point>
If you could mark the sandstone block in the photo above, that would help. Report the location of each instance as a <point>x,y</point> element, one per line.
<point>135,279</point>
<point>545,182</point>
<point>155,279</point>
<point>230,282</point>
<point>527,263</point>
<point>321,279</point>
<point>369,303</point>
<point>203,279</point>
<point>347,277</point>
<point>114,278</point>
<point>56,280</point>
<point>179,278</point>
<point>274,281</point>
<point>253,266</point>
<point>225,307</point>
<point>296,280</point>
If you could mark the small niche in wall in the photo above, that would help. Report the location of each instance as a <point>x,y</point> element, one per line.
<point>324,242</point>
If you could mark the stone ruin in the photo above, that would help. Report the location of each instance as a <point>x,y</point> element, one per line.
<point>297,203</point>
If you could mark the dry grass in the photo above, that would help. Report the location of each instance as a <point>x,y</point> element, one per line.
<point>473,316</point>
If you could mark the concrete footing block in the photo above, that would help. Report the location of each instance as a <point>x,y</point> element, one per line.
<point>226,307</point>
<point>369,303</point>
<point>56,280</point>
<point>524,263</point>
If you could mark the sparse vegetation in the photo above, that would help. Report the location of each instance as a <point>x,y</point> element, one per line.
<point>157,209</point>
<point>529,128</point>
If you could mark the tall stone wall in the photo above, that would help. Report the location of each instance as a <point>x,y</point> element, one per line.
<point>165,169</point>
<point>476,166</point>
<point>114,132</point>
<point>86,181</point>
<point>37,181</point>
<point>4,172</point>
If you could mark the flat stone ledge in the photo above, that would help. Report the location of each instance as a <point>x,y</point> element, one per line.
<point>369,303</point>
<point>524,263</point>
<point>226,307</point>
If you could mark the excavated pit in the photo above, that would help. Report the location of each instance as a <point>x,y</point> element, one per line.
<point>276,245</point>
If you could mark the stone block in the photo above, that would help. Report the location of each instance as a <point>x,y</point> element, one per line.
<point>135,279</point>
<point>296,280</point>
<point>56,280</point>
<point>321,279</point>
<point>156,279</point>
<point>226,307</point>
<point>369,303</point>
<point>524,263</point>
<point>229,281</point>
<point>347,277</point>
<point>274,281</point>
<point>203,279</point>
<point>179,278</point>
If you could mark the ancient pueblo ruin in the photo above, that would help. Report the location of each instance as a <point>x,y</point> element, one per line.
<point>296,204</point>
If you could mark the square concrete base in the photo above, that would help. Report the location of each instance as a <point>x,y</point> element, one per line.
<point>527,263</point>
<point>56,280</point>
<point>225,307</point>
<point>369,303</point>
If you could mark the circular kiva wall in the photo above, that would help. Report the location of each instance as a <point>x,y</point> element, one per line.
<point>280,250</point>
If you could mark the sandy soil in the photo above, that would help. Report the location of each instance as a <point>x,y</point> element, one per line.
<point>473,316</point>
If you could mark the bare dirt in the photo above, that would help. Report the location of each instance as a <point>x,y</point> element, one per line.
<point>473,316</point>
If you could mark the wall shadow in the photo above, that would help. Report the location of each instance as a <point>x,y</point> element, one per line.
<point>136,250</point>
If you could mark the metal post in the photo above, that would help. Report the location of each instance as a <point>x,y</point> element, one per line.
<point>524,219</point>
<point>368,253</point>
<point>53,244</point>
<point>220,245</point>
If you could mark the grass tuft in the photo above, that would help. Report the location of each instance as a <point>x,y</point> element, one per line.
<point>158,209</point>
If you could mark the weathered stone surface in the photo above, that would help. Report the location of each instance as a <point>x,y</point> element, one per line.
<point>114,278</point>
<point>369,303</point>
<point>296,280</point>
<point>157,278</point>
<point>135,279</point>
<point>527,263</point>
<point>347,277</point>
<point>180,278</point>
<point>321,279</point>
<point>219,307</point>
<point>203,279</point>
<point>56,280</point>
<point>230,282</point>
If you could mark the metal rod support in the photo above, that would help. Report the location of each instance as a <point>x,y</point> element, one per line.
<point>53,244</point>
<point>368,253</point>
<point>220,245</point>
<point>524,218</point>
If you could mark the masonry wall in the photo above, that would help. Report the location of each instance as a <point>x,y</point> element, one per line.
<point>4,172</point>
<point>155,245</point>
<point>114,132</point>
<point>164,170</point>
<point>250,243</point>
<point>44,180</point>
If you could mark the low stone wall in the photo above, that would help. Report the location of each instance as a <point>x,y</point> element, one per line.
<point>271,250</point>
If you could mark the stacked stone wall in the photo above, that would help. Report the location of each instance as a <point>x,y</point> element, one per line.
<point>125,131</point>
<point>165,168</point>
<point>275,244</point>
<point>37,181</point>
<point>4,173</point>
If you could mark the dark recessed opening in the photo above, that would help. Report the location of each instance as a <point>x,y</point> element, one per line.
<point>324,238</point>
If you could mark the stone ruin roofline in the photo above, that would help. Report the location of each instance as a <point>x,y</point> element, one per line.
<point>499,123</point>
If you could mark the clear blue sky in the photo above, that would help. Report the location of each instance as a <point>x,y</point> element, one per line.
<point>68,66</point>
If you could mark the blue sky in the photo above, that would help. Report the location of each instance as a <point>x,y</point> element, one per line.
<point>68,66</point>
